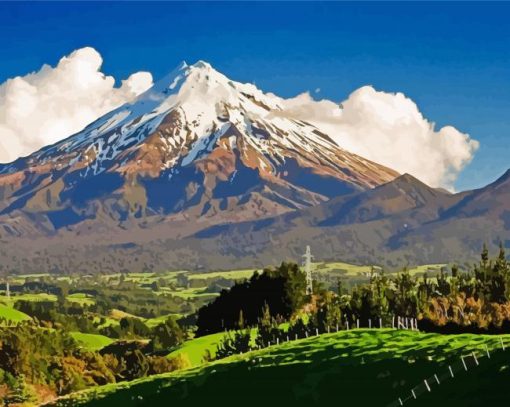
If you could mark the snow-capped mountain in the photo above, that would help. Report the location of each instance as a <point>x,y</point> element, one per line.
<point>196,144</point>
<point>201,171</point>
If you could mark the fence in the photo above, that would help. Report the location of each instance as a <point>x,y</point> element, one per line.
<point>396,322</point>
<point>467,362</point>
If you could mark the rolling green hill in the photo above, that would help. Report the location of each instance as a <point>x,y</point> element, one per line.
<point>195,349</point>
<point>359,367</point>
<point>11,314</point>
<point>91,341</point>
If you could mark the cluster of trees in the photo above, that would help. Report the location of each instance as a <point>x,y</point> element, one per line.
<point>475,300</point>
<point>282,289</point>
<point>32,358</point>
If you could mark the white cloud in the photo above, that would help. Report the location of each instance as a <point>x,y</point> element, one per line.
<point>388,128</point>
<point>46,106</point>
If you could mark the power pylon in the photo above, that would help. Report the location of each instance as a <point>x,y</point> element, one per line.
<point>308,270</point>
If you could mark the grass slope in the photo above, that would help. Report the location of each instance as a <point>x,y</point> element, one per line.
<point>358,367</point>
<point>11,314</point>
<point>196,348</point>
<point>91,341</point>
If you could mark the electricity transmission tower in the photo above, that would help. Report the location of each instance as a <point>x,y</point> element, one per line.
<point>308,270</point>
<point>7,287</point>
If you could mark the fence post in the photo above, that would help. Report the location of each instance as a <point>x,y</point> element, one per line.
<point>393,322</point>
<point>464,363</point>
<point>412,324</point>
<point>347,324</point>
<point>400,401</point>
<point>328,329</point>
<point>437,379</point>
<point>426,384</point>
<point>451,371</point>
<point>474,357</point>
<point>295,338</point>
<point>487,349</point>
<point>502,344</point>
<point>380,323</point>
<point>357,323</point>
<point>316,331</point>
<point>370,323</point>
<point>414,395</point>
<point>337,327</point>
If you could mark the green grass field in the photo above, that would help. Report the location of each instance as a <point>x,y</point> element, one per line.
<point>30,297</point>
<point>195,349</point>
<point>152,322</point>
<point>81,298</point>
<point>193,293</point>
<point>91,341</point>
<point>12,315</point>
<point>432,269</point>
<point>359,367</point>
<point>344,269</point>
<point>231,275</point>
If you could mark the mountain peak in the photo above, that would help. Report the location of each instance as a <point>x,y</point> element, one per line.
<point>201,84</point>
<point>202,64</point>
<point>408,179</point>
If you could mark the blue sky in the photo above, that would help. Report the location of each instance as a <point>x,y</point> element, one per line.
<point>452,59</point>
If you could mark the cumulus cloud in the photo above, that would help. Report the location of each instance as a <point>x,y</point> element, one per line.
<point>46,106</point>
<point>388,128</point>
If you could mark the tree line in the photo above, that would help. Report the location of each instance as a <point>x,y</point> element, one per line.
<point>476,300</point>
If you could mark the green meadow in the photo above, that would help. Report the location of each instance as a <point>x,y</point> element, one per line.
<point>91,342</point>
<point>358,367</point>
<point>12,315</point>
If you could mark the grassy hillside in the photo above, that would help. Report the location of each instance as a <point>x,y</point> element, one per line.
<point>359,367</point>
<point>11,314</point>
<point>196,348</point>
<point>91,341</point>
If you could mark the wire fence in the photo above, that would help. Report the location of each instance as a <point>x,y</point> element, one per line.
<point>395,322</point>
<point>466,363</point>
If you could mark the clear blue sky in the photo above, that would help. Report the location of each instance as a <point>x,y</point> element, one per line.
<point>452,59</point>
